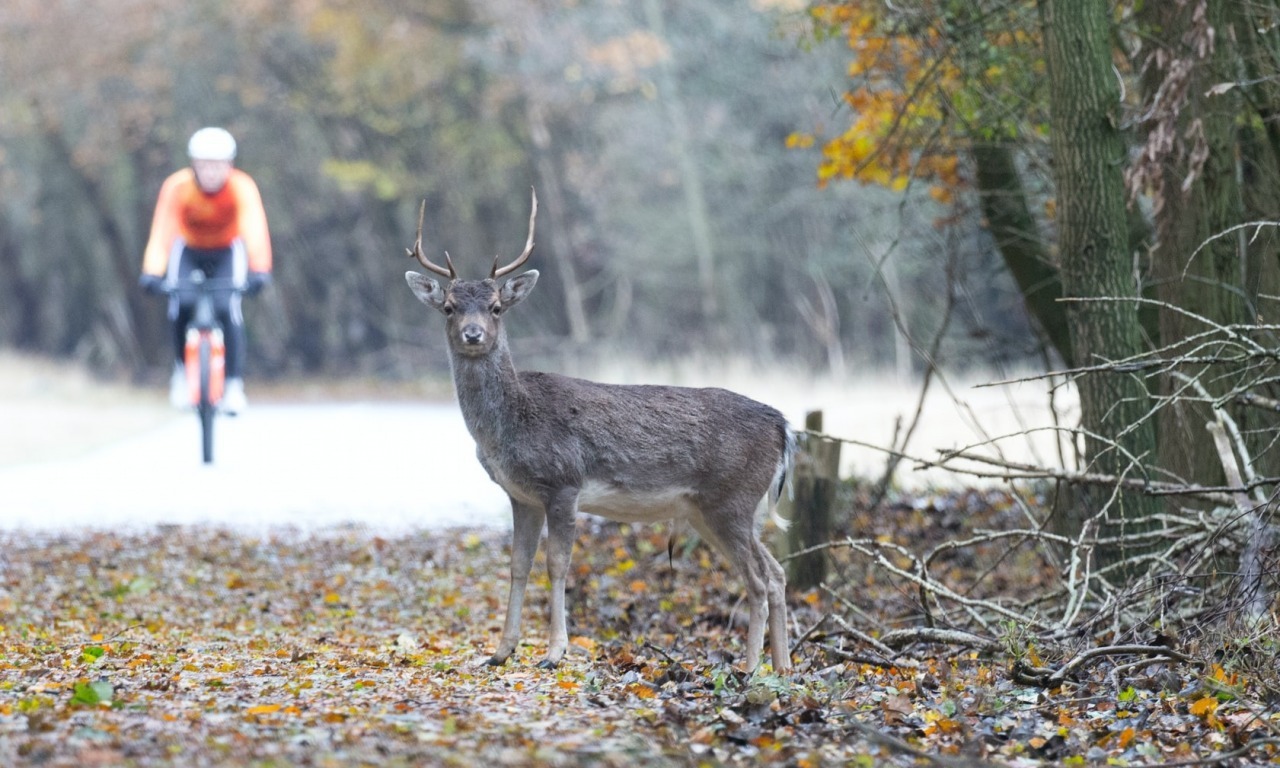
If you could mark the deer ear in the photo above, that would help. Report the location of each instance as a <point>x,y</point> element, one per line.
<point>515,289</point>
<point>427,290</point>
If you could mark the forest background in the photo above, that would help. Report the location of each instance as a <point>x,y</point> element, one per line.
<point>676,217</point>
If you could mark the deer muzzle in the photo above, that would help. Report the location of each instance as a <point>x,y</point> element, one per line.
<point>473,335</point>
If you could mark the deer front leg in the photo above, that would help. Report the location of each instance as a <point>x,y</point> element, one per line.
<point>561,511</point>
<point>526,528</point>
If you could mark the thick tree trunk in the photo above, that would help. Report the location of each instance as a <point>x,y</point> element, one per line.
<point>1089,157</point>
<point>1222,175</point>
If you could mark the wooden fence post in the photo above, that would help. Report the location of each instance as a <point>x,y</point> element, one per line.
<point>817,476</point>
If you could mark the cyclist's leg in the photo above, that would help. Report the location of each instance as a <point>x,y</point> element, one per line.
<point>232,264</point>
<point>181,262</point>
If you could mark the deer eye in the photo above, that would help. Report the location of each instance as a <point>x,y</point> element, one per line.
<point>496,309</point>
<point>448,310</point>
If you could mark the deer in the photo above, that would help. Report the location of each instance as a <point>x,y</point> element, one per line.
<point>631,453</point>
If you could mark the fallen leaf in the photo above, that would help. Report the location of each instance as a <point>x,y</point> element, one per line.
<point>1203,707</point>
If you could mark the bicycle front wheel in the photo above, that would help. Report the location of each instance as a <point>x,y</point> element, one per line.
<point>205,406</point>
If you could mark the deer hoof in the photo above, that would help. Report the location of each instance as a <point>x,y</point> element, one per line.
<point>548,664</point>
<point>495,661</point>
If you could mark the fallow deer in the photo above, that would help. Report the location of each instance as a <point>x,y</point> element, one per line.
<point>558,445</point>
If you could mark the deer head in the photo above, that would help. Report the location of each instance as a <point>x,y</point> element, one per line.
<point>473,309</point>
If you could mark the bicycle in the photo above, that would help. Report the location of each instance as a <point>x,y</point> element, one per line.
<point>204,356</point>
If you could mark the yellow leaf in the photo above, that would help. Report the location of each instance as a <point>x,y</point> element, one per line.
<point>1126,736</point>
<point>585,643</point>
<point>799,141</point>
<point>332,598</point>
<point>263,709</point>
<point>638,586</point>
<point>568,685</point>
<point>1034,657</point>
<point>1204,707</point>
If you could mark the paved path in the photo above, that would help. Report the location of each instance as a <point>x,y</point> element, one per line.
<point>384,467</point>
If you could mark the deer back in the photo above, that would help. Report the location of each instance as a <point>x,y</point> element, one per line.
<point>645,441</point>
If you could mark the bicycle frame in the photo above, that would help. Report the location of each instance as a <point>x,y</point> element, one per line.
<point>204,355</point>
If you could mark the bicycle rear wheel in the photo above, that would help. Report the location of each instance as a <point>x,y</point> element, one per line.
<point>205,407</point>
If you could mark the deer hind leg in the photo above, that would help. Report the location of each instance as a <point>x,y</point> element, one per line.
<point>737,543</point>
<point>561,513</point>
<point>779,644</point>
<point>526,529</point>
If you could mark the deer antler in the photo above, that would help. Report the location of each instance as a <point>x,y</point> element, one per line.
<point>528,247</point>
<point>422,257</point>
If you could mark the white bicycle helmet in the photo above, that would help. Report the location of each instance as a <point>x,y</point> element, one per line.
<point>211,144</point>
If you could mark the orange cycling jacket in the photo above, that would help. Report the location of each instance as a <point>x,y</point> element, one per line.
<point>208,221</point>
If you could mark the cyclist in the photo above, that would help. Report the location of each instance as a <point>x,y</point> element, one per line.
<point>209,216</point>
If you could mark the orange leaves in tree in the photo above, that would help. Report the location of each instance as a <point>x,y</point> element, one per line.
<point>927,78</point>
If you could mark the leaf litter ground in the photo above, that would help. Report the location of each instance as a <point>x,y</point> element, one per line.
<point>207,647</point>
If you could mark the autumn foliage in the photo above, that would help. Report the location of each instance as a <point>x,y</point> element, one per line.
<point>927,78</point>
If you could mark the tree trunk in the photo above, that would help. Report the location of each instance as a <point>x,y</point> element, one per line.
<point>1009,220</point>
<point>1089,156</point>
<point>690,174</point>
<point>1204,188</point>
<point>574,307</point>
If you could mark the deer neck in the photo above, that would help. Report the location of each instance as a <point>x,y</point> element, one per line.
<point>489,393</point>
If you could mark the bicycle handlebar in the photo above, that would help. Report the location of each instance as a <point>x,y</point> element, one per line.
<point>197,285</point>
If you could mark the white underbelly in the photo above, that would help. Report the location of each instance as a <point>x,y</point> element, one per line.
<point>627,506</point>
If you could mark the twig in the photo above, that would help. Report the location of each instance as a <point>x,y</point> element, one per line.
<point>858,658</point>
<point>872,549</point>
<point>902,637</point>
<point>804,638</point>
<point>1117,650</point>
<point>1256,400</point>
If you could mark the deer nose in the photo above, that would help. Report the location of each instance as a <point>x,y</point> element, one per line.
<point>472,334</point>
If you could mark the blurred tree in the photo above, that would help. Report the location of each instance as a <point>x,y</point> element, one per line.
<point>348,114</point>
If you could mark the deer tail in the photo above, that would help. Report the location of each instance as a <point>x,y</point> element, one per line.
<point>782,476</point>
